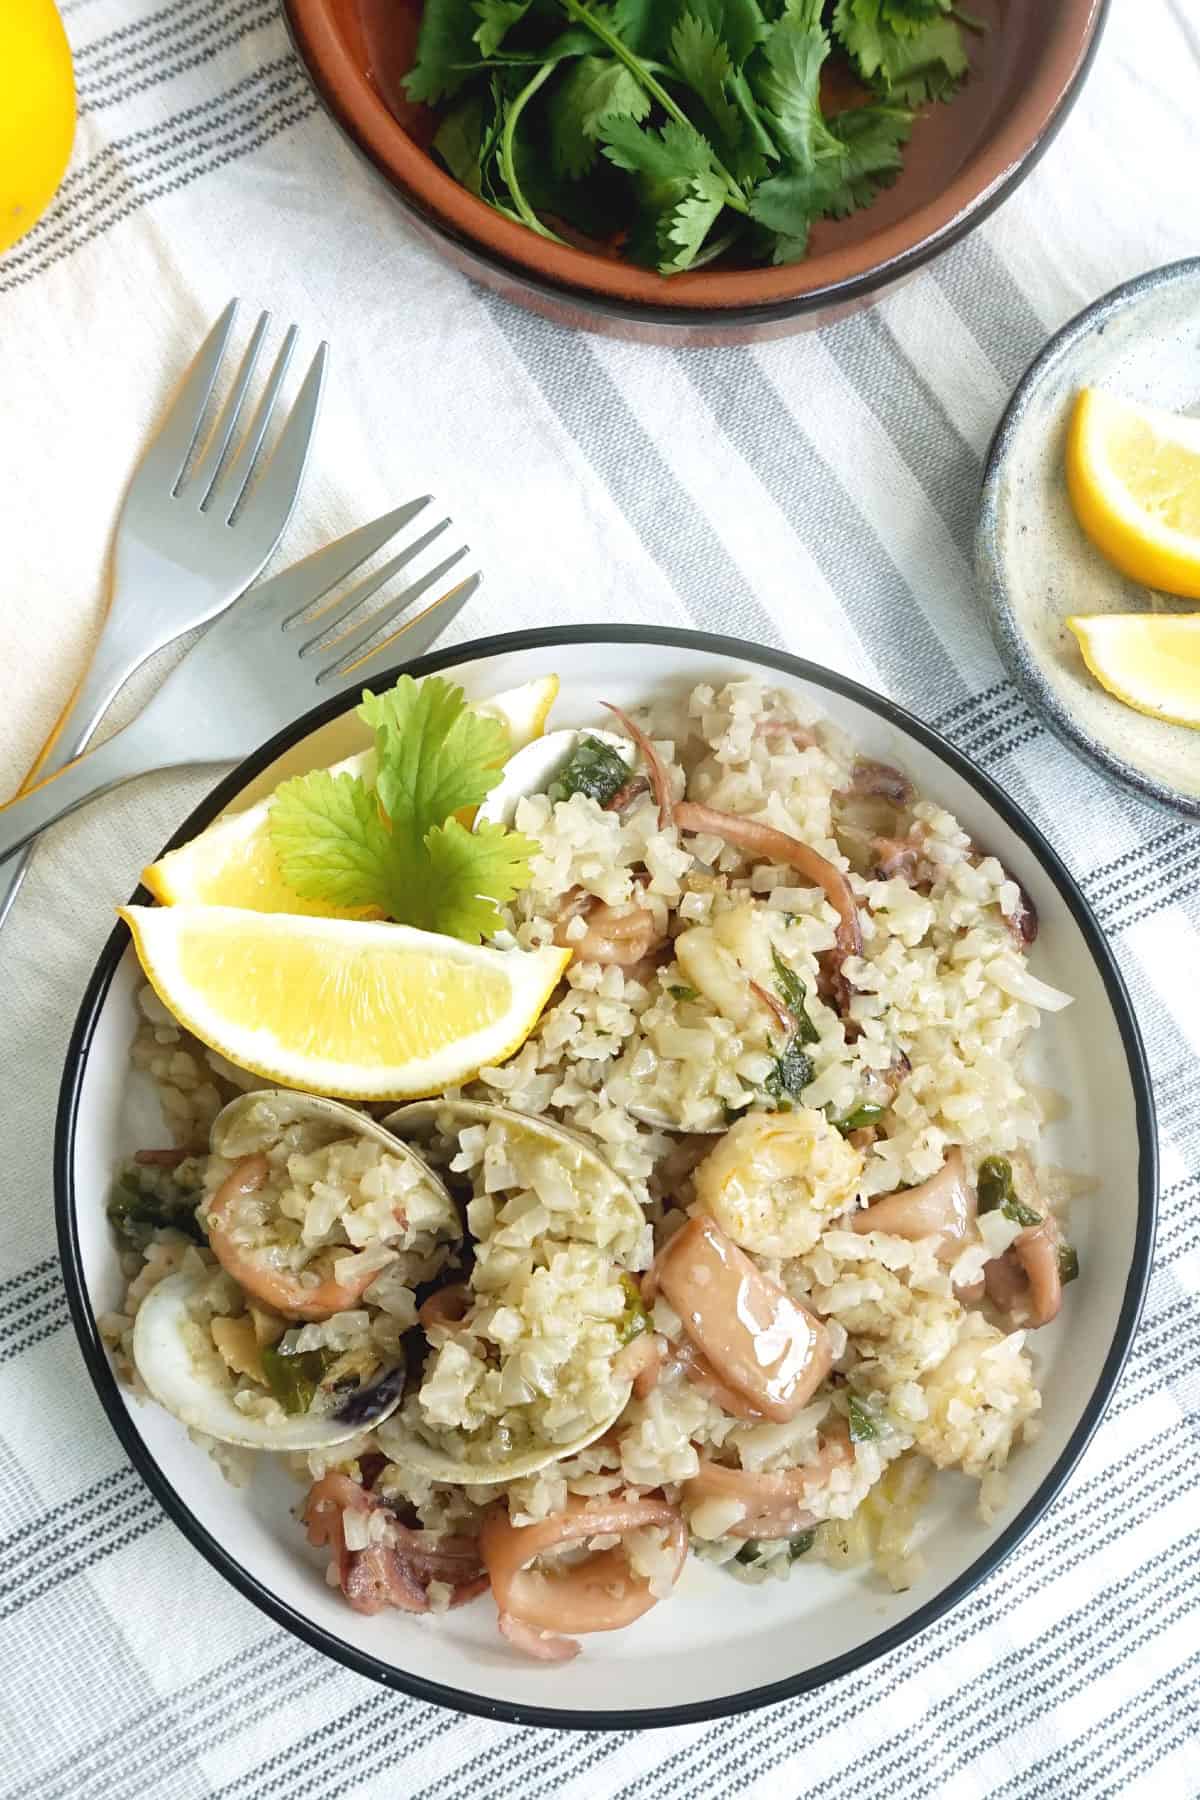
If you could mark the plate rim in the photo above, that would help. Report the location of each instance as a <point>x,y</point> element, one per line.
<point>1020,664</point>
<point>96,1357</point>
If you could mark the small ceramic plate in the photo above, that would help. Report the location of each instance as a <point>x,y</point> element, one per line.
<point>716,1646</point>
<point>1034,563</point>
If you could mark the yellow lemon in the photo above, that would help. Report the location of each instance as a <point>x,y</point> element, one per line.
<point>1151,661</point>
<point>37,112</point>
<point>232,863</point>
<point>361,1009</point>
<point>1134,477</point>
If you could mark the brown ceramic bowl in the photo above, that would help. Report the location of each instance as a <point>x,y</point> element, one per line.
<point>963,159</point>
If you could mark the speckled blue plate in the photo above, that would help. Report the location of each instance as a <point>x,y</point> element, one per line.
<point>1036,567</point>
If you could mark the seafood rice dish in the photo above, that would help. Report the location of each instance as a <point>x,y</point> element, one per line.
<point>749,1239</point>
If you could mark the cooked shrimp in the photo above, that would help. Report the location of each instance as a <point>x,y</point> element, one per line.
<point>625,935</point>
<point>296,1293</point>
<point>602,1593</point>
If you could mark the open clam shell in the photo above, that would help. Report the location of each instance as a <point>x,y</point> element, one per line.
<point>402,1440</point>
<point>532,770</point>
<point>179,1373</point>
<point>173,1347</point>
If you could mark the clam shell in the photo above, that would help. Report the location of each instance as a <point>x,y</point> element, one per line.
<point>179,1383</point>
<point>532,770</point>
<point>404,1445</point>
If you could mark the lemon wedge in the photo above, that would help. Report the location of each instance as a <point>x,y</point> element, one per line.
<point>1133,473</point>
<point>523,711</point>
<point>1151,661</point>
<point>233,863</point>
<point>351,1008</point>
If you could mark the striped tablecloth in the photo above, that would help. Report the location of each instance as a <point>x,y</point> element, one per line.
<point>817,494</point>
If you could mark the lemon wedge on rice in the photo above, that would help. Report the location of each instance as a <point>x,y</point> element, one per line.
<point>232,863</point>
<point>361,1009</point>
<point>1151,661</point>
<point>1133,473</point>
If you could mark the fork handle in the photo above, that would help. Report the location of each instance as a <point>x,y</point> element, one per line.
<point>142,746</point>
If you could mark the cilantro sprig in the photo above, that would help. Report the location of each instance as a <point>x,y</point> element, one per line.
<point>679,130</point>
<point>398,847</point>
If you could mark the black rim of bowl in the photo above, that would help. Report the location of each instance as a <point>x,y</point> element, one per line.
<point>697,320</point>
<point>989,554</point>
<point>97,1359</point>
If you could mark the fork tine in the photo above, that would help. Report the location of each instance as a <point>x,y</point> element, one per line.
<point>207,471</point>
<point>167,453</point>
<point>294,592</point>
<point>328,620</point>
<point>351,653</point>
<point>417,636</point>
<point>239,471</point>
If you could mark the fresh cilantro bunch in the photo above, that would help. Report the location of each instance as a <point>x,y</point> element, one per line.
<point>678,130</point>
<point>398,846</point>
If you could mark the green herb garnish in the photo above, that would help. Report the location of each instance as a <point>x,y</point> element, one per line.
<point>994,1186</point>
<point>635,1319</point>
<point>791,1074</point>
<point>684,993</point>
<point>142,1203</point>
<point>863,1427</point>
<point>801,1544</point>
<point>794,994</point>
<point>680,129</point>
<point>294,1377</point>
<point>1068,1263</point>
<point>397,846</point>
<point>593,768</point>
<point>866,1114</point>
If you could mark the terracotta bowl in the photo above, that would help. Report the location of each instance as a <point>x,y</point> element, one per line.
<point>963,159</point>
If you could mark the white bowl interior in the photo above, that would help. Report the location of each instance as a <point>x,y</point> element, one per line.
<point>715,1638</point>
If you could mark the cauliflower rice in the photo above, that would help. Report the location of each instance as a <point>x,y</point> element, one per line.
<point>726,1059</point>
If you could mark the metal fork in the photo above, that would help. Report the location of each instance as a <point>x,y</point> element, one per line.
<point>264,662</point>
<point>189,539</point>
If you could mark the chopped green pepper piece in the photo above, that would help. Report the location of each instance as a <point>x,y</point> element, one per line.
<point>863,1115</point>
<point>1068,1263</point>
<point>635,1319</point>
<point>593,768</point>
<point>684,993</point>
<point>994,1183</point>
<point>136,1211</point>
<point>862,1424</point>
<point>294,1377</point>
<point>794,994</point>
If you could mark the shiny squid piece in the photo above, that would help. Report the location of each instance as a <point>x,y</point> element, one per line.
<point>776,1504</point>
<point>756,1340</point>
<point>542,1612</point>
<point>944,1205</point>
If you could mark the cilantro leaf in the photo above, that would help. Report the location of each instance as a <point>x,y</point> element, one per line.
<point>330,841</point>
<point>464,879</point>
<point>446,49</point>
<point>912,57</point>
<point>674,154</point>
<point>496,20</point>
<point>787,84</point>
<point>739,24</point>
<point>435,755</point>
<point>702,61</point>
<point>459,141</point>
<point>593,89</point>
<point>397,847</point>
<point>872,138</point>
<point>683,231</point>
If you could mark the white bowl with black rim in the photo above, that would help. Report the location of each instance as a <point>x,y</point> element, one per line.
<point>717,1646</point>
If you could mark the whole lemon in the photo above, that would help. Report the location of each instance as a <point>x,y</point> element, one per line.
<point>37,112</point>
